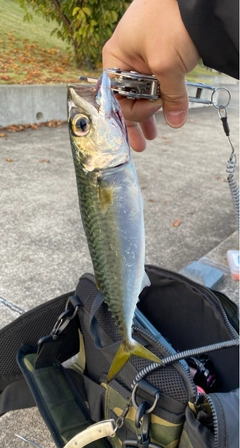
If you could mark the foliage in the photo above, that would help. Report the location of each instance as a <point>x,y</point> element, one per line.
<point>85,24</point>
<point>24,61</point>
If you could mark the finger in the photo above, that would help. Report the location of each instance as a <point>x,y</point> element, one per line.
<point>175,100</point>
<point>149,128</point>
<point>136,138</point>
<point>138,134</point>
<point>139,110</point>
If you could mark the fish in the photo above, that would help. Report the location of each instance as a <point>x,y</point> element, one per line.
<point>111,207</point>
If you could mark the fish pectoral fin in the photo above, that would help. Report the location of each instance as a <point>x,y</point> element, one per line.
<point>105,198</point>
<point>123,354</point>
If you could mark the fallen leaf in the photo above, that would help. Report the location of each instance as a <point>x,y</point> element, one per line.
<point>222,179</point>
<point>152,200</point>
<point>3,135</point>
<point>167,141</point>
<point>44,161</point>
<point>5,78</point>
<point>35,126</point>
<point>176,223</point>
<point>9,160</point>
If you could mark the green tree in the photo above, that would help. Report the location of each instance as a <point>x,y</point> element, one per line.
<point>84,24</point>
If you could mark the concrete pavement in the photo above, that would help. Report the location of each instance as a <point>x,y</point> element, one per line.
<point>43,251</point>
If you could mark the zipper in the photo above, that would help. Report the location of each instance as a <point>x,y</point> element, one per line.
<point>231,309</point>
<point>214,419</point>
<point>215,422</point>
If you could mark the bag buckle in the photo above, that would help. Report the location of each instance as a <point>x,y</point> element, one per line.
<point>49,346</point>
<point>142,421</point>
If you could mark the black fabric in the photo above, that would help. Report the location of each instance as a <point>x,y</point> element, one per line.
<point>199,435</point>
<point>214,28</point>
<point>176,309</point>
<point>91,393</point>
<point>59,401</point>
<point>16,396</point>
<point>27,329</point>
<point>227,406</point>
<point>230,308</point>
<point>93,321</point>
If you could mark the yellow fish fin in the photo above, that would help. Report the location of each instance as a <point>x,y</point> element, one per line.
<point>123,354</point>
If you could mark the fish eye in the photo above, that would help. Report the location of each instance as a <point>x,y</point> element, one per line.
<point>81,125</point>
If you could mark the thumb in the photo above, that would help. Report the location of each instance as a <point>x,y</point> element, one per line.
<point>175,101</point>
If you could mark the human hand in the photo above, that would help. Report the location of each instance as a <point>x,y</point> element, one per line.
<point>152,39</point>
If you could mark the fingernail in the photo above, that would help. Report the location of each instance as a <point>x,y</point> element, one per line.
<point>175,118</point>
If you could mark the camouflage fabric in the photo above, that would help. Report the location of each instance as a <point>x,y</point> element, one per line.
<point>185,442</point>
<point>162,432</point>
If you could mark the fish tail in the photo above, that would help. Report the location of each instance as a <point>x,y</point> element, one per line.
<point>123,354</point>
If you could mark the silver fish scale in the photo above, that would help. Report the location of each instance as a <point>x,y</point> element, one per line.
<point>111,210</point>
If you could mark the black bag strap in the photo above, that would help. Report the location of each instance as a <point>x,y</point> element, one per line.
<point>27,329</point>
<point>59,402</point>
<point>16,396</point>
<point>51,346</point>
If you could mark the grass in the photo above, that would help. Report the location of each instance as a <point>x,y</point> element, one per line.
<point>11,21</point>
<point>30,55</point>
<point>199,74</point>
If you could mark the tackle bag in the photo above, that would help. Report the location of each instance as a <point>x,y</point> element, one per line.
<point>189,401</point>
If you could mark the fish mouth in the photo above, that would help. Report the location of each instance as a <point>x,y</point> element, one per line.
<point>100,96</point>
<point>95,94</point>
<point>109,106</point>
<point>85,91</point>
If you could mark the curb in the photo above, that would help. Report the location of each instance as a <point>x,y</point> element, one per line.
<point>39,103</point>
<point>24,104</point>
